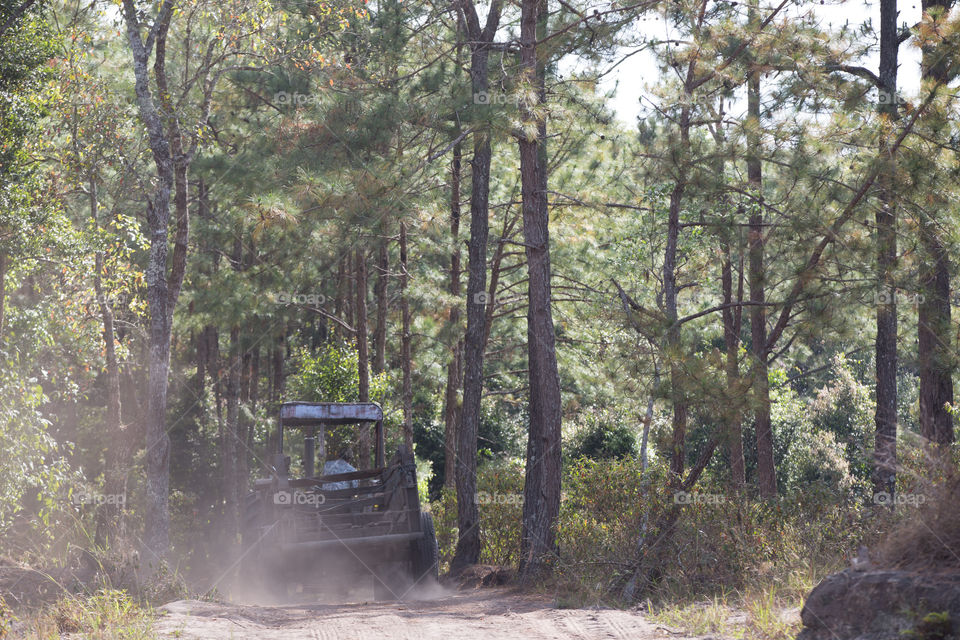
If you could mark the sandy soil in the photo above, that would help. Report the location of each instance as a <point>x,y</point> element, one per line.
<point>485,614</point>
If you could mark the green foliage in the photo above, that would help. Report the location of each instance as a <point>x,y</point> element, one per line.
<point>33,463</point>
<point>500,500</point>
<point>329,374</point>
<point>108,613</point>
<point>933,626</point>
<point>603,436</point>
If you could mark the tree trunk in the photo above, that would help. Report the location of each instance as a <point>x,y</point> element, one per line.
<point>763,428</point>
<point>673,345</point>
<point>109,514</point>
<point>230,440</point>
<point>162,289</point>
<point>731,339</point>
<point>341,307</point>
<point>380,291</point>
<point>468,516</point>
<point>3,290</point>
<point>885,417</point>
<point>363,357</point>
<point>935,350</point>
<point>541,505</point>
<point>451,405</point>
<point>405,356</point>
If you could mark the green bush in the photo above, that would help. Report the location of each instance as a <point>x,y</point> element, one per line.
<point>500,500</point>
<point>602,437</point>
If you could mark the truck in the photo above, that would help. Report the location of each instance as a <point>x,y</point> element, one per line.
<point>316,531</point>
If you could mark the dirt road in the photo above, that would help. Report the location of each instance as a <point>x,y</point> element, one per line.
<point>487,614</point>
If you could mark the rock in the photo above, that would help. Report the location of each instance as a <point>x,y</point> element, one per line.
<point>880,605</point>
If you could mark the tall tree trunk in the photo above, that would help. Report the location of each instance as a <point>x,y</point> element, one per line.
<point>934,333</point>
<point>451,405</point>
<point>162,288</point>
<point>885,417</point>
<point>468,515</point>
<point>109,514</point>
<point>363,357</point>
<point>731,339</point>
<point>3,290</point>
<point>405,356</point>
<point>541,504</point>
<point>341,305</point>
<point>380,291</point>
<point>229,442</point>
<point>673,345</point>
<point>763,428</point>
<point>243,426</point>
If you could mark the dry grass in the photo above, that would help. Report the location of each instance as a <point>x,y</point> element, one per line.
<point>929,539</point>
<point>106,615</point>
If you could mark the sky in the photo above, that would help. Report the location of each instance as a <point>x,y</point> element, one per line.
<point>630,78</point>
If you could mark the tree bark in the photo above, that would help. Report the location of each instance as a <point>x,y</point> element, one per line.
<point>541,505</point>
<point>468,516</point>
<point>672,338</point>
<point>3,290</point>
<point>731,339</point>
<point>229,442</point>
<point>363,357</point>
<point>380,292</point>
<point>163,288</point>
<point>405,355</point>
<point>157,459</point>
<point>763,428</point>
<point>885,417</point>
<point>935,343</point>
<point>110,514</point>
<point>451,404</point>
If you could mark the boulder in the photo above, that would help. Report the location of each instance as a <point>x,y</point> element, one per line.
<point>882,605</point>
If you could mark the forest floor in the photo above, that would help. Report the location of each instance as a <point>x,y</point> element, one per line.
<point>487,614</point>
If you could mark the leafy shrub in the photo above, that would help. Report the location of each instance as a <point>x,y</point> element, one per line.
<point>31,464</point>
<point>500,500</point>
<point>718,544</point>
<point>602,437</point>
<point>816,467</point>
<point>329,374</point>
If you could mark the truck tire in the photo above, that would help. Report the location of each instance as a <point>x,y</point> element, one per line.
<point>426,554</point>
